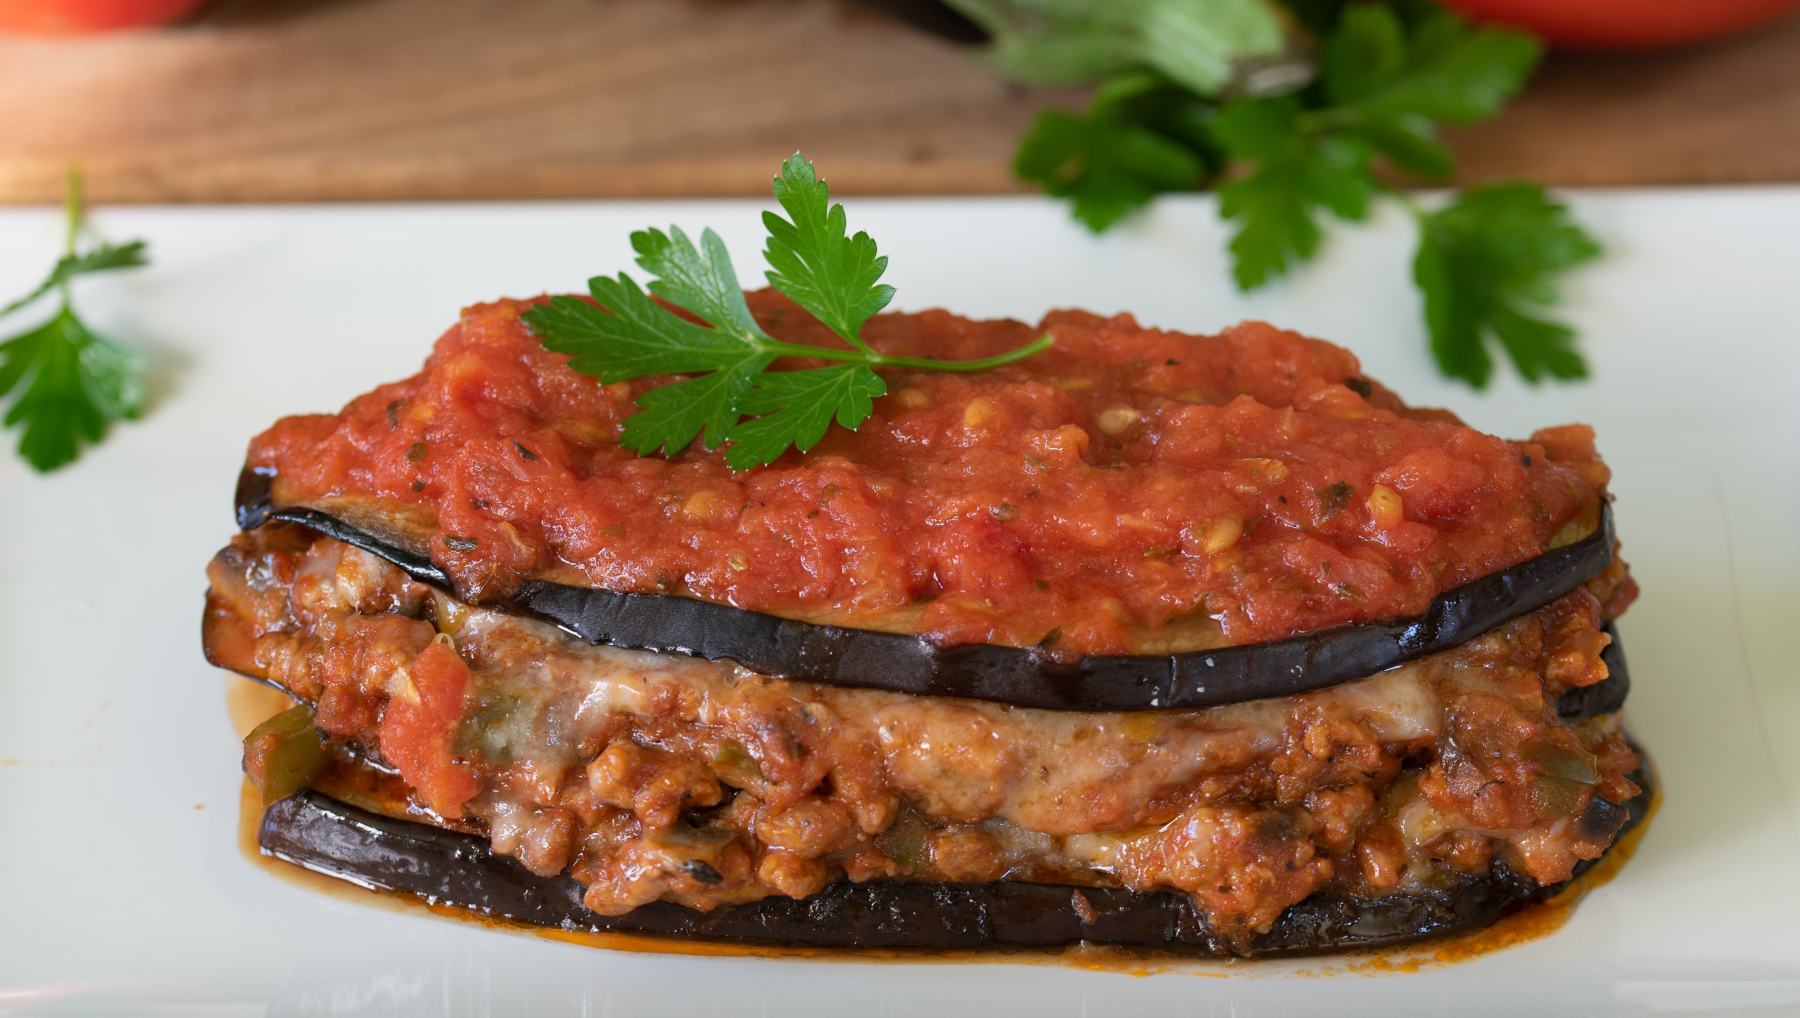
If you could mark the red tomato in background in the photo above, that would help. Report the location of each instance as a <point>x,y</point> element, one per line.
<point>1618,24</point>
<point>72,16</point>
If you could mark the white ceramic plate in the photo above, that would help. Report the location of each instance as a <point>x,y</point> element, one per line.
<point>122,888</point>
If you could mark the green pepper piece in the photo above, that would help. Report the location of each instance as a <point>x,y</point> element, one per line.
<point>1557,761</point>
<point>284,753</point>
<point>904,843</point>
<point>1555,798</point>
<point>736,767</point>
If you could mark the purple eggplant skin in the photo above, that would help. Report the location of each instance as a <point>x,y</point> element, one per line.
<point>861,658</point>
<point>327,836</point>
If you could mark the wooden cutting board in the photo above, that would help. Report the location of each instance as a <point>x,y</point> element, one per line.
<point>301,100</point>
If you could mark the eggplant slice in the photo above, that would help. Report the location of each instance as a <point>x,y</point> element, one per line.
<point>1606,696</point>
<point>443,867</point>
<point>862,658</point>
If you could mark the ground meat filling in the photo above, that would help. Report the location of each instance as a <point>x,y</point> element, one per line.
<point>653,777</point>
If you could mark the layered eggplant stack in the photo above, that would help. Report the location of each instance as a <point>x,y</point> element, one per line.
<point>1206,643</point>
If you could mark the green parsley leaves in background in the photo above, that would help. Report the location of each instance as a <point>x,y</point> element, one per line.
<point>70,382</point>
<point>1140,139</point>
<point>735,396</point>
<point>1297,114</point>
<point>1199,45</point>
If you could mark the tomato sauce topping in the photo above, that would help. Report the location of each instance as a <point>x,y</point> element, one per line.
<point>1129,490</point>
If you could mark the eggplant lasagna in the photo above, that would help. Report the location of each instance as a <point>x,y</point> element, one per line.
<point>1201,643</point>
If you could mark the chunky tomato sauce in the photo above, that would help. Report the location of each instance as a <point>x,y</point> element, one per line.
<point>1127,490</point>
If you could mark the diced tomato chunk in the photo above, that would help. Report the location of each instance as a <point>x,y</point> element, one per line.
<point>418,729</point>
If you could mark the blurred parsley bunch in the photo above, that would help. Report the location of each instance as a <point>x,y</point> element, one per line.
<point>1292,113</point>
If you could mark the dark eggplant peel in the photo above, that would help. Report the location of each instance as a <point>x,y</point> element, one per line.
<point>1206,645</point>
<point>1023,677</point>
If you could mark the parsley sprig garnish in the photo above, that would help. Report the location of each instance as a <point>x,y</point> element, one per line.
<point>1487,264</point>
<point>735,396</point>
<point>72,382</point>
<point>1286,152</point>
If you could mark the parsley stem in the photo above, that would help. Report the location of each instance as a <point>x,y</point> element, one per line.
<point>72,211</point>
<point>980,364</point>
<point>878,360</point>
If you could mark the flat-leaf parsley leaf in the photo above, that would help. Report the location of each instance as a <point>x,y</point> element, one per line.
<point>1487,263</point>
<point>71,381</point>
<point>733,397</point>
<point>1139,139</point>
